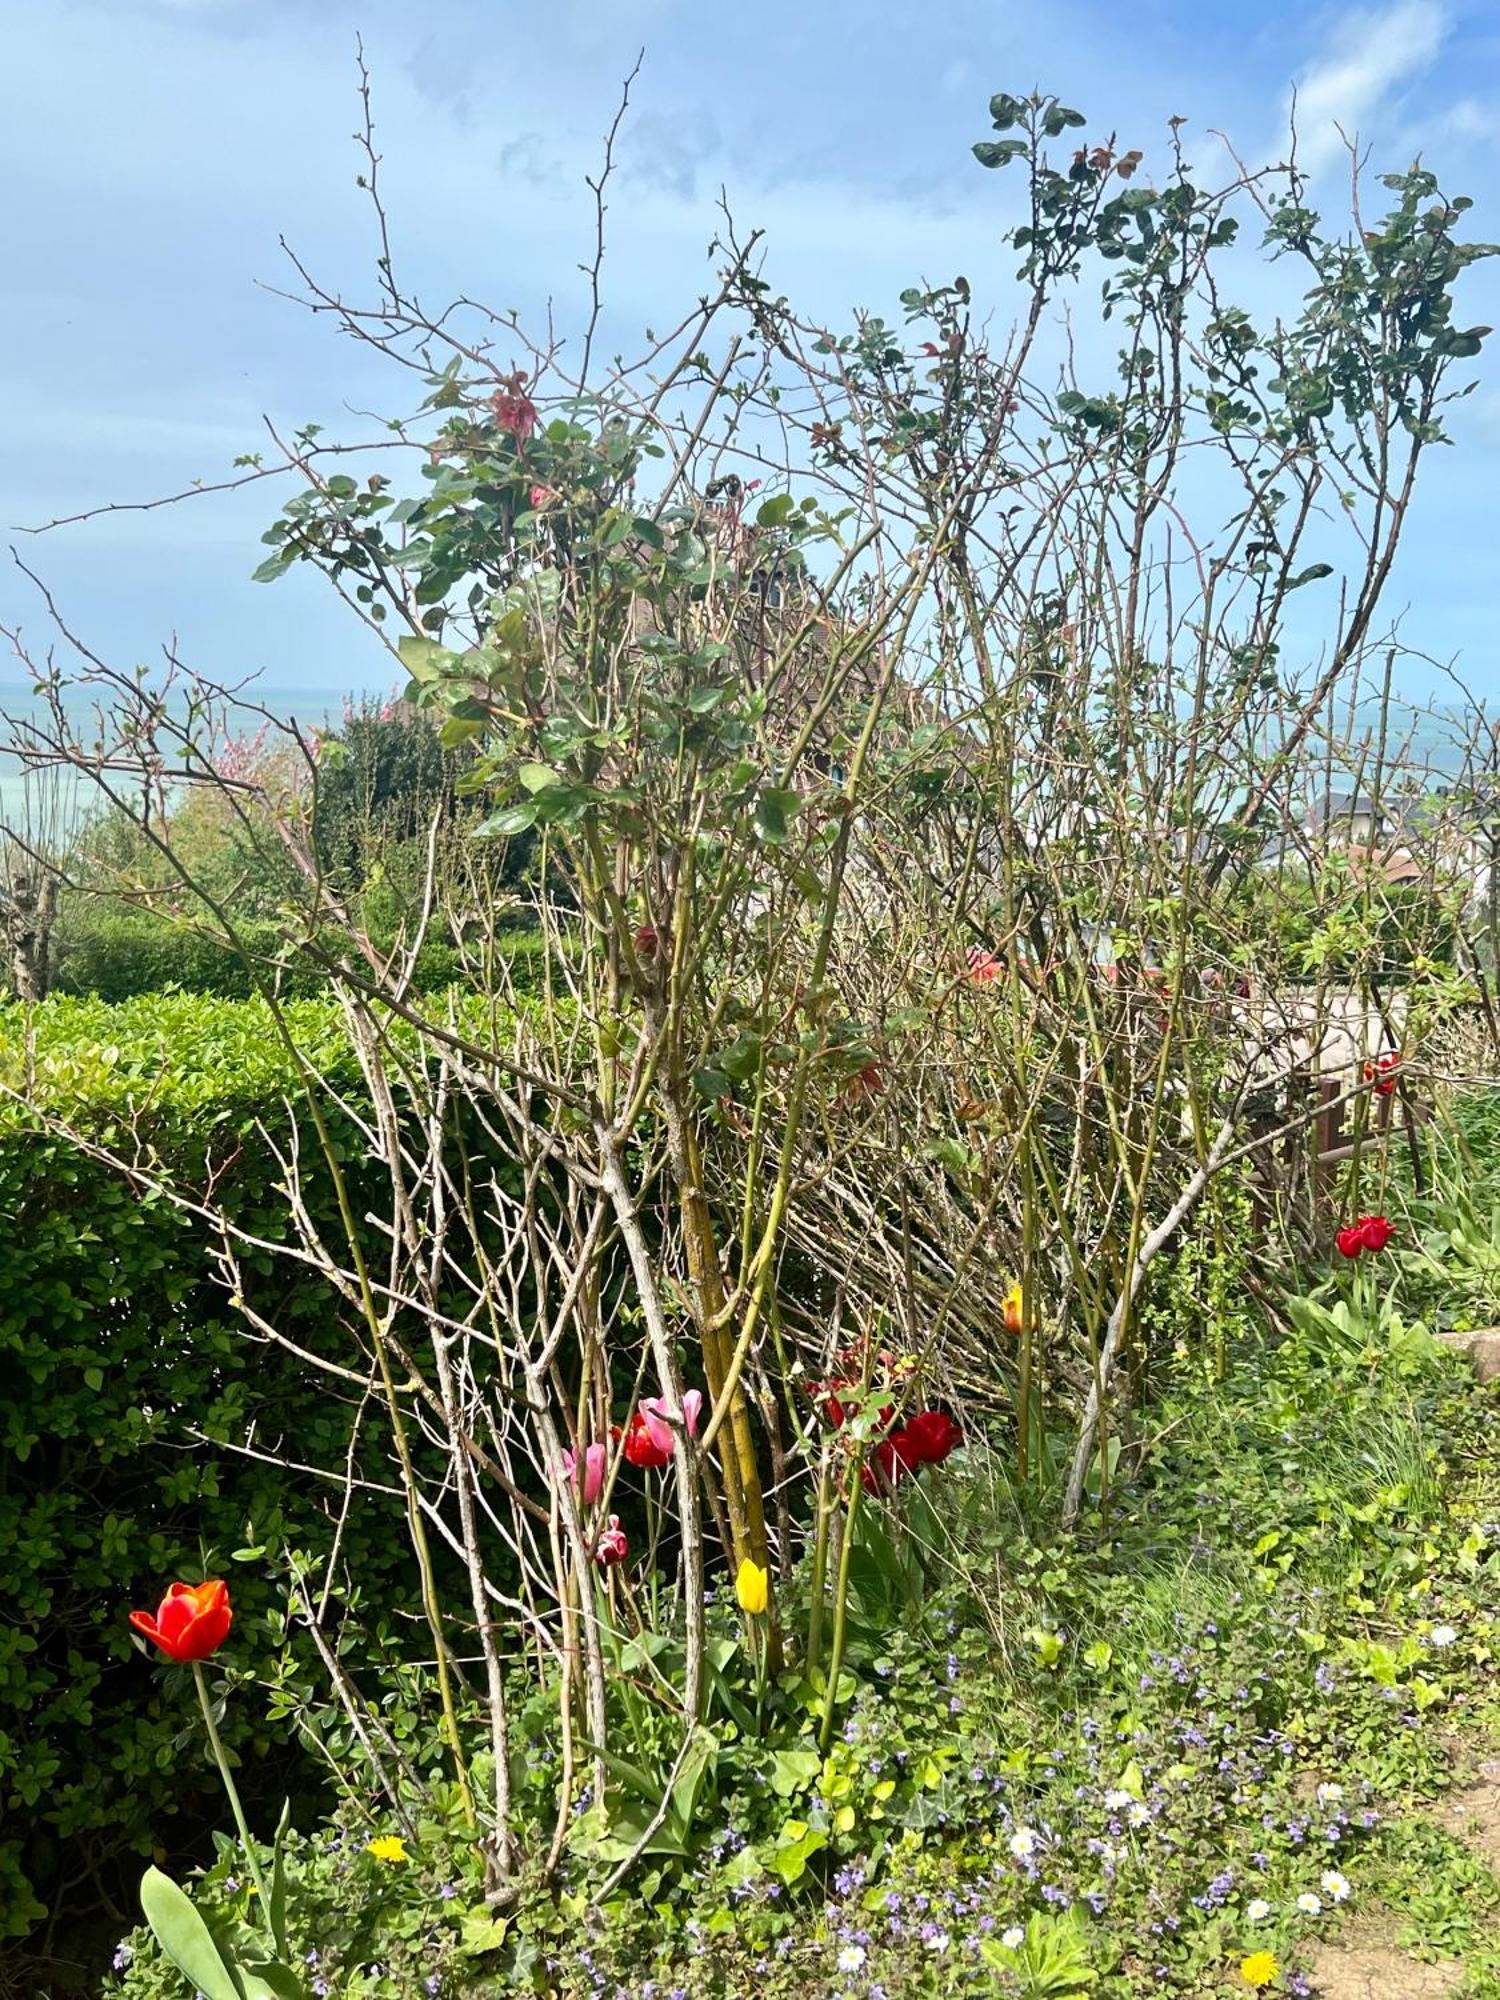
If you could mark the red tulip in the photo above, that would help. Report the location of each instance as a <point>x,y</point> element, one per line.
<point>1351,1240</point>
<point>930,1436</point>
<point>1375,1231</point>
<point>192,1621</point>
<point>643,1447</point>
<point>889,1463</point>
<point>611,1547</point>
<point>983,966</point>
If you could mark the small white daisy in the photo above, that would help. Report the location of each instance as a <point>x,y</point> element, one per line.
<point>939,1942</point>
<point>1257,1910</point>
<point>1023,1843</point>
<point>851,1958</point>
<point>1443,1635</point>
<point>1309,1905</point>
<point>1138,1814</point>
<point>1334,1886</point>
<point>1329,1795</point>
<point>1118,1801</point>
<point>1014,1938</point>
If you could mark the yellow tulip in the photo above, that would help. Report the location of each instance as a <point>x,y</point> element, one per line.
<point>752,1588</point>
<point>1012,1312</point>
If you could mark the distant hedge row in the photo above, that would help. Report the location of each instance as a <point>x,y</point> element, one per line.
<point>118,954</point>
<point>117,1344</point>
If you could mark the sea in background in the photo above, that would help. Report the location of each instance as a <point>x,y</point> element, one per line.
<point>1426,747</point>
<point>53,802</point>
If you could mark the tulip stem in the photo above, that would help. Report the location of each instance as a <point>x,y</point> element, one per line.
<point>201,1683</point>
<point>840,1615</point>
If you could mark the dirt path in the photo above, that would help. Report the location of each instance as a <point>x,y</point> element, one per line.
<point>1367,1963</point>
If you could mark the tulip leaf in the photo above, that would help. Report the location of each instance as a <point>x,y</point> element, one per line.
<point>269,1981</point>
<point>701,1756</point>
<point>185,1938</point>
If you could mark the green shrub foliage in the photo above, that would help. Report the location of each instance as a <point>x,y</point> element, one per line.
<point>129,1377</point>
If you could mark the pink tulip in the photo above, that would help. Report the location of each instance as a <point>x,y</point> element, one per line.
<point>654,1414</point>
<point>595,1458</point>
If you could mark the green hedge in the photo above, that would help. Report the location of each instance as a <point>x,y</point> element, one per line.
<point>119,954</point>
<point>117,1341</point>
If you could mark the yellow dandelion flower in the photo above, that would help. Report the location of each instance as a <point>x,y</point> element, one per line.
<point>751,1587</point>
<point>1260,1970</point>
<point>389,1847</point>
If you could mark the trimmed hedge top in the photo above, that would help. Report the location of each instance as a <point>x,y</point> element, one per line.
<point>172,1052</point>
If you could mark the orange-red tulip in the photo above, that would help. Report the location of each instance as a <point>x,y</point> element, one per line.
<point>192,1621</point>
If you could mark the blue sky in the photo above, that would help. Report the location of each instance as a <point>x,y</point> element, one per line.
<point>153,151</point>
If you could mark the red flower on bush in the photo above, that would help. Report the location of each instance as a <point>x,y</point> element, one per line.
<point>514,413</point>
<point>192,1621</point>
<point>837,1402</point>
<point>1382,1073</point>
<point>930,1436</point>
<point>983,966</point>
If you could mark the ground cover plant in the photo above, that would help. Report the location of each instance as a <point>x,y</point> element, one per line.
<point>913,1439</point>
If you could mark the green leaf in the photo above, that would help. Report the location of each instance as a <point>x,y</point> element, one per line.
<point>269,1980</point>
<point>424,659</point>
<point>185,1938</point>
<point>998,152</point>
<point>793,1770</point>
<point>510,819</point>
<point>796,1844</point>
<point>1311,574</point>
<point>774,813</point>
<point>537,777</point>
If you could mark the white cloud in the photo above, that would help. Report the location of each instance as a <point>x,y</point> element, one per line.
<point>1372,53</point>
